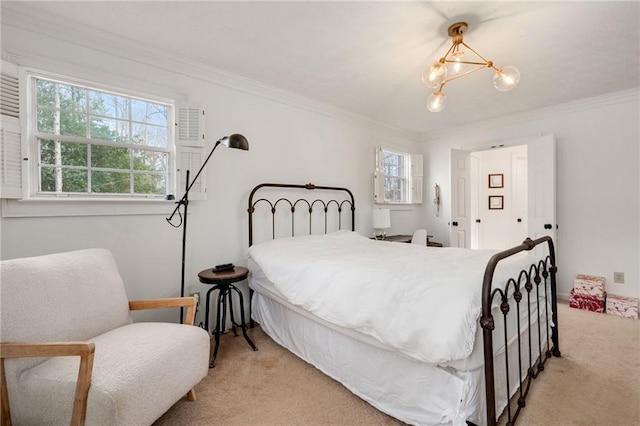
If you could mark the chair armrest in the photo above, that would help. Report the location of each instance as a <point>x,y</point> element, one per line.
<point>171,302</point>
<point>85,350</point>
<point>29,350</point>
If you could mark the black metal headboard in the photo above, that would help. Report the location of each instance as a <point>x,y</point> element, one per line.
<point>324,204</point>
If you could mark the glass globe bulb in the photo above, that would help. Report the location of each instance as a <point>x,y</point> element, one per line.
<point>434,76</point>
<point>506,78</point>
<point>436,102</point>
<point>455,67</point>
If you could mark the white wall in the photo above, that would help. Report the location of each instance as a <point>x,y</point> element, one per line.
<point>290,142</point>
<point>598,184</point>
<point>298,142</point>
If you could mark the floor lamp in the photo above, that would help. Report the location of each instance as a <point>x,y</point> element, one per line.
<point>236,141</point>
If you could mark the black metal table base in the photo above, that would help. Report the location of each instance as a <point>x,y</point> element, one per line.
<point>224,298</point>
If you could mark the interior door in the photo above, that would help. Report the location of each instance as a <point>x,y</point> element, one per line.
<point>474,181</point>
<point>460,223</point>
<point>520,206</point>
<point>542,187</point>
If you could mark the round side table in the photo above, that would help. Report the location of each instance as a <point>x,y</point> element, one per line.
<point>223,282</point>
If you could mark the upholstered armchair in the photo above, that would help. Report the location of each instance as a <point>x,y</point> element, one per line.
<point>71,354</point>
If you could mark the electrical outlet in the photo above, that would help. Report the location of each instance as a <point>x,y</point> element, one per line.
<point>618,277</point>
<point>197,296</point>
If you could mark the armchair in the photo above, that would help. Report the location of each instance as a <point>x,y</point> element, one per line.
<point>70,353</point>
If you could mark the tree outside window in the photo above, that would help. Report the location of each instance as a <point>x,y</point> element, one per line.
<point>95,142</point>
<point>398,177</point>
<point>394,168</point>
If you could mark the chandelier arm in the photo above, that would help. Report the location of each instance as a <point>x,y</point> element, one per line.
<point>469,63</point>
<point>471,49</point>
<point>465,73</point>
<point>448,52</point>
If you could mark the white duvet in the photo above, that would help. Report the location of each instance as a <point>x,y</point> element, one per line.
<point>423,302</point>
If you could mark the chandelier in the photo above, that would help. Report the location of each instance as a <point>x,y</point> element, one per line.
<point>454,64</point>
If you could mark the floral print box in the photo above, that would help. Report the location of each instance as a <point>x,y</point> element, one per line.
<point>589,285</point>
<point>621,306</point>
<point>586,302</point>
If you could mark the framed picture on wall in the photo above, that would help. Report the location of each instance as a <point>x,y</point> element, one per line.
<point>496,202</point>
<point>496,181</point>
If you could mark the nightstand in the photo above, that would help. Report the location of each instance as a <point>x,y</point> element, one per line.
<point>223,282</point>
<point>407,239</point>
<point>395,238</point>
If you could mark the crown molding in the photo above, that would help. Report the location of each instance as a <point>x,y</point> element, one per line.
<point>616,98</point>
<point>110,44</point>
<point>113,45</point>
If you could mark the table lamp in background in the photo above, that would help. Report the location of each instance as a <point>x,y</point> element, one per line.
<point>381,221</point>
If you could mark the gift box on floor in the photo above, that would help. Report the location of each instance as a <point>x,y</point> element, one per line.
<point>586,302</point>
<point>589,285</point>
<point>622,306</point>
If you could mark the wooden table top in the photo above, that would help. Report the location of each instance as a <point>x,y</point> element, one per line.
<point>236,274</point>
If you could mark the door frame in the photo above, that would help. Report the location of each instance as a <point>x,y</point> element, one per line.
<point>530,142</point>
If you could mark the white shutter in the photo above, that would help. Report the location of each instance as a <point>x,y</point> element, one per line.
<point>190,150</point>
<point>190,125</point>
<point>10,138</point>
<point>417,178</point>
<point>378,179</point>
<point>378,188</point>
<point>379,159</point>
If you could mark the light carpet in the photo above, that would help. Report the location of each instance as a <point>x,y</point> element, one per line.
<point>595,382</point>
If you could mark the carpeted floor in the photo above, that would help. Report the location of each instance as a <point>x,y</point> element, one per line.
<point>595,382</point>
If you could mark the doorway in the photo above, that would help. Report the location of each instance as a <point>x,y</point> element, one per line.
<point>520,200</point>
<point>499,198</point>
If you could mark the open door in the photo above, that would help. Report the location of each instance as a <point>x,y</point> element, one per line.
<point>474,210</point>
<point>460,223</point>
<point>540,169</point>
<point>542,187</point>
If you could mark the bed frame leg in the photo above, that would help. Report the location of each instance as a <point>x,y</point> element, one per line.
<point>554,301</point>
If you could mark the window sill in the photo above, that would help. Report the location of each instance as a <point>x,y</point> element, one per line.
<point>75,207</point>
<point>397,206</point>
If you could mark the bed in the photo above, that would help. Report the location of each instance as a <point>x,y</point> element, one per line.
<point>426,335</point>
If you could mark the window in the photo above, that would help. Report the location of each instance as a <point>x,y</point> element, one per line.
<point>398,177</point>
<point>94,142</point>
<point>76,141</point>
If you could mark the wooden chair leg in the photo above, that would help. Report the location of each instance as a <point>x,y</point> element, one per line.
<point>5,414</point>
<point>191,395</point>
<point>85,370</point>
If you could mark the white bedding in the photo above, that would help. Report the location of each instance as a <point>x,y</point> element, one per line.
<point>409,390</point>
<point>435,291</point>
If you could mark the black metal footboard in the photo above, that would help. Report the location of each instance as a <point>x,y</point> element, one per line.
<point>530,287</point>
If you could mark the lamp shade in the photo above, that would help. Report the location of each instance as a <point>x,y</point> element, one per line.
<point>381,218</point>
<point>506,78</point>
<point>236,141</point>
<point>436,102</point>
<point>435,75</point>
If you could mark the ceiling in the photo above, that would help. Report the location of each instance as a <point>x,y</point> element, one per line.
<point>367,57</point>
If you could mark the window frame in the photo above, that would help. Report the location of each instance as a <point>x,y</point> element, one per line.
<point>403,176</point>
<point>31,144</point>
<point>412,178</point>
